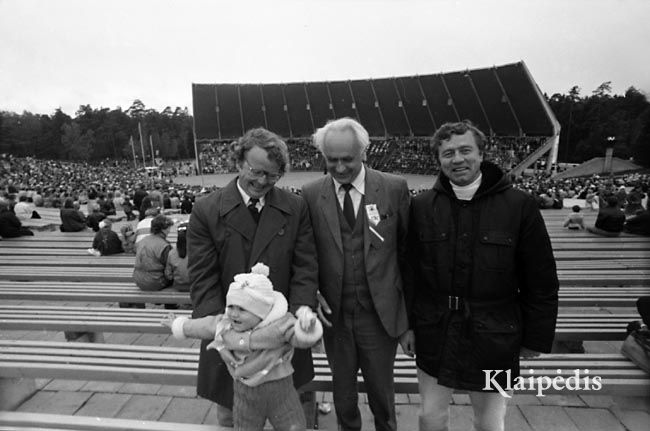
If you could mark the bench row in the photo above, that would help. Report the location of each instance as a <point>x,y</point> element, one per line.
<point>581,296</point>
<point>127,261</point>
<point>73,273</point>
<point>80,254</point>
<point>570,326</point>
<point>178,366</point>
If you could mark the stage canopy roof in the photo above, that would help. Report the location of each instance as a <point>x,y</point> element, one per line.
<point>500,100</point>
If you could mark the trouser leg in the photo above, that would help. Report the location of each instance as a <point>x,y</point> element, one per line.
<point>376,350</point>
<point>342,357</point>
<point>224,416</point>
<point>248,410</point>
<point>285,412</point>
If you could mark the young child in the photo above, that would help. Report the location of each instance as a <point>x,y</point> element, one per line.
<point>575,220</point>
<point>263,383</point>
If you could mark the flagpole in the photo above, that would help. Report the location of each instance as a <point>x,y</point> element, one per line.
<point>135,165</point>
<point>199,168</point>
<point>144,164</point>
<point>152,156</point>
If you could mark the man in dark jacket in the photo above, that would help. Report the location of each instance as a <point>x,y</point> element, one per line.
<point>482,285</point>
<point>610,220</point>
<point>250,220</point>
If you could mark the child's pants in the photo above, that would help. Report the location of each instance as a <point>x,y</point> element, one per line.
<point>276,401</point>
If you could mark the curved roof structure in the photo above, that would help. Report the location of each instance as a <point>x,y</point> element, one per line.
<point>500,100</point>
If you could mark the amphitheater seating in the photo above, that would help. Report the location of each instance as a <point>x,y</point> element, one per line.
<point>594,272</point>
<point>177,366</point>
<point>570,326</point>
<point>577,296</point>
<point>52,422</point>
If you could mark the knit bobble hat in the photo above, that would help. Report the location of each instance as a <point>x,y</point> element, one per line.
<point>252,291</point>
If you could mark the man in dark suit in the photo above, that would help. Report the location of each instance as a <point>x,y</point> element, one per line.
<point>360,219</point>
<point>249,221</point>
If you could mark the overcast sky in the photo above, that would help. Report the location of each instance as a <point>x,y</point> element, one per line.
<point>64,53</point>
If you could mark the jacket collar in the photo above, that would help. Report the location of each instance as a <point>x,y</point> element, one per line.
<point>232,198</point>
<point>494,180</point>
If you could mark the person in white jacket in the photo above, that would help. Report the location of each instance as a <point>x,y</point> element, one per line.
<point>260,365</point>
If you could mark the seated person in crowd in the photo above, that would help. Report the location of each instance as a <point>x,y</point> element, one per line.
<point>106,242</point>
<point>94,217</point>
<point>638,224</point>
<point>106,206</point>
<point>575,220</point>
<point>634,199</point>
<point>72,220</point>
<point>128,238</point>
<point>263,382</point>
<point>186,205</point>
<point>10,226</point>
<point>147,203</point>
<point>610,219</point>
<point>144,226</point>
<point>176,268</point>
<point>24,209</point>
<point>127,207</point>
<point>151,256</point>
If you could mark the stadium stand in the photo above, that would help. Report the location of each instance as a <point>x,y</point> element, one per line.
<point>503,101</point>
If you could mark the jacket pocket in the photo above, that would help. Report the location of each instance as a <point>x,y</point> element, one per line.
<point>433,247</point>
<point>496,341</point>
<point>430,334</point>
<point>496,251</point>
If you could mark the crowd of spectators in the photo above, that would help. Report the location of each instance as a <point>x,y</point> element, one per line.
<point>409,155</point>
<point>110,186</point>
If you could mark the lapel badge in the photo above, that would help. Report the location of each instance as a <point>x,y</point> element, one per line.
<point>373,214</point>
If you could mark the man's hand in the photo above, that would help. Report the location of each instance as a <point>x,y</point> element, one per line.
<point>323,308</point>
<point>407,341</point>
<point>528,354</point>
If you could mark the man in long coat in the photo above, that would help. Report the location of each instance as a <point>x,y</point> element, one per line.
<point>484,287</point>
<point>249,221</point>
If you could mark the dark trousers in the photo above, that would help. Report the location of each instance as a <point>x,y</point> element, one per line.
<point>359,341</point>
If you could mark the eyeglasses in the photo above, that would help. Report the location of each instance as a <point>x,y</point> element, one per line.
<point>259,173</point>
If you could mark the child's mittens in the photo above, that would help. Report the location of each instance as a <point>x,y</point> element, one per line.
<point>176,326</point>
<point>307,328</point>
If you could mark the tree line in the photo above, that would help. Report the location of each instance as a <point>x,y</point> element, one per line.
<point>589,124</point>
<point>592,123</point>
<point>95,134</point>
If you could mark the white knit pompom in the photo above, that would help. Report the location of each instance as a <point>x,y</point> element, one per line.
<point>260,268</point>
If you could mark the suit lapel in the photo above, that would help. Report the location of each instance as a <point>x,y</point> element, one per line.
<point>235,213</point>
<point>272,222</point>
<point>372,196</point>
<point>329,206</point>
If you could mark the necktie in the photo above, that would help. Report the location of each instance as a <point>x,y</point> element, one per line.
<point>252,207</point>
<point>348,207</point>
